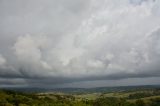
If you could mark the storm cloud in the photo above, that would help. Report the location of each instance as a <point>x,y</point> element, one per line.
<point>54,42</point>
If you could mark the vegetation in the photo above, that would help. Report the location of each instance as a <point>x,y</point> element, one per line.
<point>150,97</point>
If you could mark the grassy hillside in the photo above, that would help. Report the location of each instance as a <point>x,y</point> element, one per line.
<point>129,97</point>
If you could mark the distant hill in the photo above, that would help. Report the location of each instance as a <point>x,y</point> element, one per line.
<point>84,90</point>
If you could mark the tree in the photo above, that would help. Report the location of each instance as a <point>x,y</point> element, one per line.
<point>140,102</point>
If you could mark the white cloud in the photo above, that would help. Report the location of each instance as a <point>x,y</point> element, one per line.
<point>29,52</point>
<point>106,42</point>
<point>2,60</point>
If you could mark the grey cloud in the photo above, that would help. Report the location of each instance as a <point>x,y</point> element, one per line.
<point>53,42</point>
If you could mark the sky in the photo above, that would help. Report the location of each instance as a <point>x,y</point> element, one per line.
<point>79,43</point>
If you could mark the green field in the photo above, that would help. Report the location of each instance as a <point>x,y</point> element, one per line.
<point>134,97</point>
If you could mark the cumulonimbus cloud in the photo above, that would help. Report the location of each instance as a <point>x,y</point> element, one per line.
<point>99,40</point>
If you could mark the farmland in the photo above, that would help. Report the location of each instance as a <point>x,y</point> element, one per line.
<point>121,96</point>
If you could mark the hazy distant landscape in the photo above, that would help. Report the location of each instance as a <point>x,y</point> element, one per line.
<point>103,96</point>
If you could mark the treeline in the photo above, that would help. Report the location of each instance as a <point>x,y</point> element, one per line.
<point>144,94</point>
<point>112,101</point>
